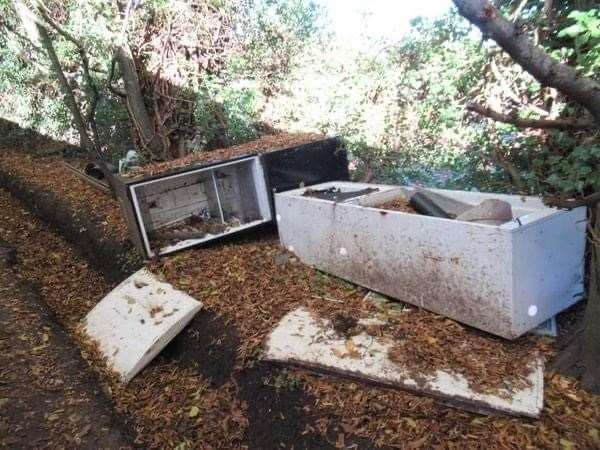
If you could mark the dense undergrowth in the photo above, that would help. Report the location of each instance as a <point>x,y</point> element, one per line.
<point>401,105</point>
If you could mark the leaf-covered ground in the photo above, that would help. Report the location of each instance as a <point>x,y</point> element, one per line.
<point>267,143</point>
<point>47,399</point>
<point>47,173</point>
<point>48,396</point>
<point>253,284</point>
<point>209,390</point>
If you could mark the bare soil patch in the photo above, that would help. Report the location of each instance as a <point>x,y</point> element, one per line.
<point>49,398</point>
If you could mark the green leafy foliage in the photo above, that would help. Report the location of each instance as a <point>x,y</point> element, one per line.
<point>225,114</point>
<point>585,35</point>
<point>576,172</point>
<point>400,105</point>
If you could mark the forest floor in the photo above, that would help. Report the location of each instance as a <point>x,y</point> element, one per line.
<point>209,389</point>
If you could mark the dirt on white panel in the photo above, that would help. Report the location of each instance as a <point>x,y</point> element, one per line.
<point>136,320</point>
<point>304,340</point>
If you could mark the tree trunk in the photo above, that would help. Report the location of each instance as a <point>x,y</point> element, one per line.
<point>150,141</point>
<point>543,67</point>
<point>92,148</point>
<point>591,332</point>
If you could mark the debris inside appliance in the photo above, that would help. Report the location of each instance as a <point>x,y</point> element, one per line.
<point>398,204</point>
<point>193,227</point>
<point>491,211</point>
<point>335,194</point>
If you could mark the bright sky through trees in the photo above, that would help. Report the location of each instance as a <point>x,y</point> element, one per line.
<point>388,19</point>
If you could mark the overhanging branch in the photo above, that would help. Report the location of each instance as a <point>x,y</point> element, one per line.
<point>547,70</point>
<point>556,124</point>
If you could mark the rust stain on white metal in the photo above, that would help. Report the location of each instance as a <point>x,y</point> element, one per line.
<point>486,276</point>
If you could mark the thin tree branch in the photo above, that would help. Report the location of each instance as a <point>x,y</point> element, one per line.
<point>85,63</point>
<point>589,200</point>
<point>557,124</point>
<point>92,146</point>
<point>515,15</point>
<point>508,90</point>
<point>544,68</point>
<point>549,9</point>
<point>510,168</point>
<point>67,91</point>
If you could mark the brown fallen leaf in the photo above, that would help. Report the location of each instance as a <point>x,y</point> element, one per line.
<point>431,340</point>
<point>352,349</point>
<point>85,430</point>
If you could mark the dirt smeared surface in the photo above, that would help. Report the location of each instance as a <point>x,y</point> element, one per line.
<point>335,194</point>
<point>489,364</point>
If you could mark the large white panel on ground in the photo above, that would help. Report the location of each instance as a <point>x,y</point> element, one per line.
<point>136,320</point>
<point>303,340</point>
<point>504,279</point>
